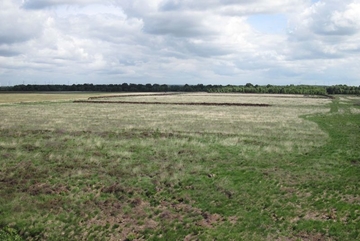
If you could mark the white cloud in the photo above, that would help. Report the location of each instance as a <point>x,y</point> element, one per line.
<point>183,24</point>
<point>40,4</point>
<point>172,41</point>
<point>232,7</point>
<point>326,30</point>
<point>349,19</point>
<point>17,25</point>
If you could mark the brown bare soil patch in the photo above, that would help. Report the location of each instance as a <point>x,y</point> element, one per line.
<point>305,236</point>
<point>355,162</point>
<point>351,199</point>
<point>45,188</point>
<point>320,216</point>
<point>130,215</point>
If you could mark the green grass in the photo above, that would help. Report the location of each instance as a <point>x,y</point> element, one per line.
<point>89,172</point>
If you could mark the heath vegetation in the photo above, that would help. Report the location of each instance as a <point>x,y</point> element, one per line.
<point>112,171</point>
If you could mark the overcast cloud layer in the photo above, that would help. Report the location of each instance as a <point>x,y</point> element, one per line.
<point>178,42</point>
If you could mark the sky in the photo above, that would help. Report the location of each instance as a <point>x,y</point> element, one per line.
<point>262,42</point>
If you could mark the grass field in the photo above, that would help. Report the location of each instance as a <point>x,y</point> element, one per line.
<point>112,171</point>
<point>10,98</point>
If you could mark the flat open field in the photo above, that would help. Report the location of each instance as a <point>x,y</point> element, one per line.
<point>8,97</point>
<point>150,171</point>
<point>205,98</point>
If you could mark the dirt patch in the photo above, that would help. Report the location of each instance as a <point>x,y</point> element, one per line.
<point>172,103</point>
<point>351,199</point>
<point>317,216</point>
<point>178,211</point>
<point>312,236</point>
<point>124,225</point>
<point>209,220</point>
<point>20,175</point>
<point>45,188</point>
<point>144,215</point>
<point>129,215</point>
<point>321,216</point>
<point>355,162</point>
<point>305,236</point>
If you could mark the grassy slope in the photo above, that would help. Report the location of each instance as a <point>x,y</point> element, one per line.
<point>151,185</point>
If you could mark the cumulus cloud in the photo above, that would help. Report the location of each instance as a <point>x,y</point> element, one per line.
<point>180,25</point>
<point>40,4</point>
<point>233,7</point>
<point>346,22</point>
<point>18,25</point>
<point>178,42</point>
<point>326,30</point>
<point>330,18</point>
<point>4,51</point>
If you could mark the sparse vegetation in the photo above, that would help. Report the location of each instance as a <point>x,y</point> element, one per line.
<point>10,98</point>
<point>75,171</point>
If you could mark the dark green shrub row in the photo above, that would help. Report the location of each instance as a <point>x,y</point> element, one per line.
<point>248,88</point>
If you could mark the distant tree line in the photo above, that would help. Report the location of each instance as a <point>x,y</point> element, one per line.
<point>248,88</point>
<point>273,89</point>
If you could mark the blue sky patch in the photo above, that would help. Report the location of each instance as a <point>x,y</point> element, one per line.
<point>268,23</point>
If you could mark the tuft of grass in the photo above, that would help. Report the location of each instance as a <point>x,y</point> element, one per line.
<point>9,234</point>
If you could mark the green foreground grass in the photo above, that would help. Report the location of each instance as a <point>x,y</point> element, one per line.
<point>160,184</point>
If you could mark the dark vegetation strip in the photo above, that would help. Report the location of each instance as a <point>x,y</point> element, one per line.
<point>123,134</point>
<point>247,88</point>
<point>171,103</point>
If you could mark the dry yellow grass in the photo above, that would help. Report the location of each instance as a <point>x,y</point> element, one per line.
<point>280,100</point>
<point>280,122</point>
<point>7,98</point>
